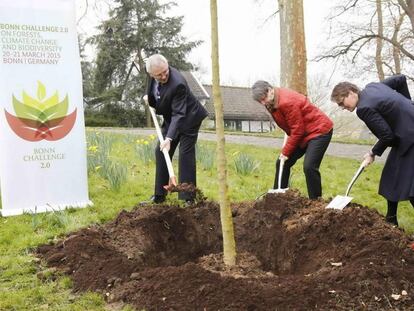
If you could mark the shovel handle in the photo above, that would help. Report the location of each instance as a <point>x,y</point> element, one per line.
<point>161,139</point>
<point>281,165</point>
<point>279,178</point>
<point>358,172</point>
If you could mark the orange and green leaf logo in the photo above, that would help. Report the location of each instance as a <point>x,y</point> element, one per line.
<point>41,118</point>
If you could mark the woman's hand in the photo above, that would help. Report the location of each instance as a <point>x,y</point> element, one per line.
<point>368,158</point>
<point>282,157</point>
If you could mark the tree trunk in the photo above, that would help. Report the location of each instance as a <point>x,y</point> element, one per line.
<point>229,243</point>
<point>378,57</point>
<point>292,46</point>
<point>396,52</point>
<point>408,7</point>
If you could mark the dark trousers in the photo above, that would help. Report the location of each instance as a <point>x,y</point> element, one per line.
<point>391,215</point>
<point>314,153</point>
<point>186,162</point>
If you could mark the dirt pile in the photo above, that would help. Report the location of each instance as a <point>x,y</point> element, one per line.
<point>293,255</point>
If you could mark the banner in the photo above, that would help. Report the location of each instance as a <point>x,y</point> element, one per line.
<point>42,133</point>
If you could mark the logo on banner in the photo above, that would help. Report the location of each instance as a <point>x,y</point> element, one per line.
<point>41,118</point>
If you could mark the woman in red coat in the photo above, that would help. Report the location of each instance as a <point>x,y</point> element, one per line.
<point>308,128</point>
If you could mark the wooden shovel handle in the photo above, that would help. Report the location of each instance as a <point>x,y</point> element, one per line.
<point>161,139</point>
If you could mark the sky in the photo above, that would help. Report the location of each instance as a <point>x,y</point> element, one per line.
<point>248,36</point>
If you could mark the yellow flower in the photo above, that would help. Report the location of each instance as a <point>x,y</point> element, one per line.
<point>97,167</point>
<point>93,148</point>
<point>138,141</point>
<point>146,142</point>
<point>152,137</point>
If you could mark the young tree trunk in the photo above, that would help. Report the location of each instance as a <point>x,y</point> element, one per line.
<point>292,46</point>
<point>378,57</point>
<point>229,243</point>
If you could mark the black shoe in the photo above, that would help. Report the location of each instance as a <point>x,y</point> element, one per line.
<point>155,199</point>
<point>392,220</point>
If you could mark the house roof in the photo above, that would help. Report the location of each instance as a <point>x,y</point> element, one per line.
<point>195,86</point>
<point>238,104</point>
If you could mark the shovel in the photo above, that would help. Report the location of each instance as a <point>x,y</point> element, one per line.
<point>279,180</point>
<point>340,201</point>
<point>173,180</point>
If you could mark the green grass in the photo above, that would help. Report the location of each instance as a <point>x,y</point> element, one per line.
<point>20,289</point>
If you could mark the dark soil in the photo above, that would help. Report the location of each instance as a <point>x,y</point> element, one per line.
<point>293,254</point>
<point>194,192</point>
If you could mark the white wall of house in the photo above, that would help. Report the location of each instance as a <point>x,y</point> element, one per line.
<point>255,126</point>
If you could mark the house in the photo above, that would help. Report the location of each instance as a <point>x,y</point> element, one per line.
<point>241,112</point>
<point>196,88</point>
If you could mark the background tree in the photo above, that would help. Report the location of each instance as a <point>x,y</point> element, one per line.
<point>292,46</point>
<point>229,243</point>
<point>371,38</point>
<point>134,30</point>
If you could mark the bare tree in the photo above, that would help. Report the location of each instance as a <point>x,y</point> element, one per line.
<point>408,7</point>
<point>229,243</point>
<point>356,35</point>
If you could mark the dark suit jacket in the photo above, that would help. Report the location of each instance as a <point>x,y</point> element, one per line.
<point>387,110</point>
<point>177,104</point>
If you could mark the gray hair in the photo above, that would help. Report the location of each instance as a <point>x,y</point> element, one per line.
<point>155,60</point>
<point>260,89</point>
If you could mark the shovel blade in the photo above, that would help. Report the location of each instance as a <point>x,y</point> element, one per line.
<point>278,190</point>
<point>339,202</point>
<point>172,183</point>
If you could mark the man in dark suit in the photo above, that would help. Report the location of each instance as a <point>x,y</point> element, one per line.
<point>387,110</point>
<point>171,97</point>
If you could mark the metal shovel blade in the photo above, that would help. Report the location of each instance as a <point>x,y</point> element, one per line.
<point>339,202</point>
<point>278,190</point>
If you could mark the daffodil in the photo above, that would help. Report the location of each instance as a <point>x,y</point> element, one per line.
<point>93,148</point>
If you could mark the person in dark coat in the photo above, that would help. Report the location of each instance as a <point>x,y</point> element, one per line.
<point>387,110</point>
<point>309,130</point>
<point>171,97</point>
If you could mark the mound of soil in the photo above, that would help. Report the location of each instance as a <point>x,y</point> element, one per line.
<point>293,254</point>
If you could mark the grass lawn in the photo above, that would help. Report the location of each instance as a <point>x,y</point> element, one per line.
<point>121,174</point>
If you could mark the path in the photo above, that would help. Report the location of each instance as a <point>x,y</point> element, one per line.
<point>352,151</point>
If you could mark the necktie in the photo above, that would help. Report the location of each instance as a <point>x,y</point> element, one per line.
<point>158,90</point>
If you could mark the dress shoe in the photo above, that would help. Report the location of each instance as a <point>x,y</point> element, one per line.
<point>188,203</point>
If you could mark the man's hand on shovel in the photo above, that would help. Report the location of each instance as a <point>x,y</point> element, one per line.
<point>166,144</point>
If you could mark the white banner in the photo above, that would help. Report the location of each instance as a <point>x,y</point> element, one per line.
<point>42,133</point>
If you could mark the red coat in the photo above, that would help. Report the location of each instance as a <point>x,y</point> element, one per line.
<point>299,118</point>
